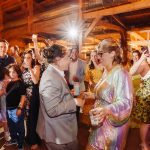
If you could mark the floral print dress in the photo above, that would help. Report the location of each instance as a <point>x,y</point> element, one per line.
<point>141,111</point>
<point>26,76</point>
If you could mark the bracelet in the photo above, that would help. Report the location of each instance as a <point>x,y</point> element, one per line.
<point>19,108</point>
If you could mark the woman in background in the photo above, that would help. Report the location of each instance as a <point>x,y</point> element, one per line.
<point>136,79</point>
<point>142,109</point>
<point>93,71</point>
<point>31,76</point>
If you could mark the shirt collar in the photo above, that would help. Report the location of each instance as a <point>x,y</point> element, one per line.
<point>59,71</point>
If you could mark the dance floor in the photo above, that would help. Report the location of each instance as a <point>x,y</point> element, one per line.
<point>133,140</point>
<point>132,143</point>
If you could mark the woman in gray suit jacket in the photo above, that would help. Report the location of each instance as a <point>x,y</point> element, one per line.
<point>57,124</point>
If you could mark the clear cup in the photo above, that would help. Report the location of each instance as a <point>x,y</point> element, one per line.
<point>94,120</point>
<point>76,88</point>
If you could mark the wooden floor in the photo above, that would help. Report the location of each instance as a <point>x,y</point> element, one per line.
<point>132,143</point>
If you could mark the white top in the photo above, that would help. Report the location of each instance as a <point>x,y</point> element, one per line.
<point>59,71</point>
<point>72,71</point>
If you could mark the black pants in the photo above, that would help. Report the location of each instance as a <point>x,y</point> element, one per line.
<point>32,137</point>
<point>17,130</point>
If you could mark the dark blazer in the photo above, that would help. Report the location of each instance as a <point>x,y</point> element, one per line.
<point>57,119</point>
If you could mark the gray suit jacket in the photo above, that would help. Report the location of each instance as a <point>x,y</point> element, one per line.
<point>57,118</point>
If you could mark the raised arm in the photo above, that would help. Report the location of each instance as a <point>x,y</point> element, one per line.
<point>136,69</point>
<point>35,74</point>
<point>35,43</point>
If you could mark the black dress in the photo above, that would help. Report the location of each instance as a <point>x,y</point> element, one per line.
<point>32,108</point>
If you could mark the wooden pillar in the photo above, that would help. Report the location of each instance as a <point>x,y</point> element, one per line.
<point>80,19</point>
<point>30,14</point>
<point>124,46</point>
<point>1,22</point>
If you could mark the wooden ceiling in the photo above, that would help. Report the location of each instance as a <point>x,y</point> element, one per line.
<point>100,19</point>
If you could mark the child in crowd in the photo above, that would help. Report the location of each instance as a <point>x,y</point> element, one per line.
<point>4,80</point>
<point>15,100</point>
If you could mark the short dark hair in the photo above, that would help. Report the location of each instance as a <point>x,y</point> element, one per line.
<point>29,52</point>
<point>4,41</point>
<point>16,48</point>
<point>74,47</point>
<point>136,51</point>
<point>16,69</point>
<point>54,51</point>
<point>3,73</point>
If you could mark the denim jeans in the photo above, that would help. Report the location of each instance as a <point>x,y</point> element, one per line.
<point>17,129</point>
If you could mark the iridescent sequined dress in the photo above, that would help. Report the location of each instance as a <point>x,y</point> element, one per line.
<point>114,91</point>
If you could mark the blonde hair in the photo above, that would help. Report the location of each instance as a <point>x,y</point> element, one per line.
<point>109,45</point>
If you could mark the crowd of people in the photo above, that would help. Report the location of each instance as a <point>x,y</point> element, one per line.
<point>43,91</point>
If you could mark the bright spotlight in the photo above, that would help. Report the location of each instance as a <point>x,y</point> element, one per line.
<point>73,32</point>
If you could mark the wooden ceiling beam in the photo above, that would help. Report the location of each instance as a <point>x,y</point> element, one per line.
<point>141,29</point>
<point>54,13</point>
<point>95,21</point>
<point>107,25</point>
<point>45,26</point>
<point>45,15</point>
<point>91,40</point>
<point>1,22</point>
<point>119,21</point>
<point>139,43</point>
<point>107,35</point>
<point>10,4</point>
<point>30,14</point>
<point>41,17</point>
<point>142,4</point>
<point>136,36</point>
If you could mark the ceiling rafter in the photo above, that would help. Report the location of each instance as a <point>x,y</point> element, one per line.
<point>143,4</point>
<point>90,28</point>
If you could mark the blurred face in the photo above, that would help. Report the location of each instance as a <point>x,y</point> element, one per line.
<point>94,56</point>
<point>74,54</point>
<point>28,59</point>
<point>135,57</point>
<point>3,48</point>
<point>13,74</point>
<point>99,57</point>
<point>64,62</point>
<point>12,50</point>
<point>107,58</point>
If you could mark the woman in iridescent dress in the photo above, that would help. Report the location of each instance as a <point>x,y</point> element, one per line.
<point>113,104</point>
<point>141,111</point>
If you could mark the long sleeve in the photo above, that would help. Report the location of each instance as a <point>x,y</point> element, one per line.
<point>121,107</point>
<point>55,104</point>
